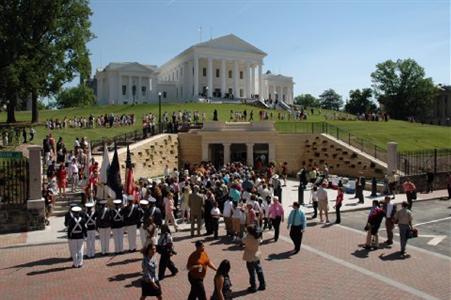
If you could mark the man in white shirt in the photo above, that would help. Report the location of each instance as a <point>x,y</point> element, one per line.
<point>227,214</point>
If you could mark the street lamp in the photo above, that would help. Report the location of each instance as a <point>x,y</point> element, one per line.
<point>159,112</point>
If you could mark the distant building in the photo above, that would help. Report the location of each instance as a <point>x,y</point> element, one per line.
<point>223,68</point>
<point>441,110</point>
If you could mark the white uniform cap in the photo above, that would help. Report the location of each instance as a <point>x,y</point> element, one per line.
<point>152,199</point>
<point>143,202</point>
<point>117,201</point>
<point>102,202</point>
<point>76,209</point>
<point>89,204</point>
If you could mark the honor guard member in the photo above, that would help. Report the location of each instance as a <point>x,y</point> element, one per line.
<point>104,226</point>
<point>76,232</point>
<point>117,226</point>
<point>155,212</point>
<point>91,226</point>
<point>131,218</point>
<point>143,220</point>
<point>67,217</point>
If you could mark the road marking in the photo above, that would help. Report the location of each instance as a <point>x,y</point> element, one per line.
<point>433,221</point>
<point>393,283</point>
<point>436,239</point>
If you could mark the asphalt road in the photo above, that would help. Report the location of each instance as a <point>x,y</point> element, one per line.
<point>434,235</point>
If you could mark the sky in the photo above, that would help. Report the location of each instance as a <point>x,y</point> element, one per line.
<point>322,44</point>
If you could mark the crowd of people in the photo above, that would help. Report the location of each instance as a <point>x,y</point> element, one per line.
<point>248,202</point>
<point>17,135</point>
<point>106,120</point>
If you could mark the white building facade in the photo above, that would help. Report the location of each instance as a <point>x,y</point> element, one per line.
<point>223,68</point>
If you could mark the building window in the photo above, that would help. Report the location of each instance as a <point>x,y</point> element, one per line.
<point>230,74</point>
<point>283,97</point>
<point>241,74</point>
<point>241,93</point>
<point>124,90</point>
<point>164,94</point>
<point>143,90</point>
<point>217,73</point>
<point>204,72</point>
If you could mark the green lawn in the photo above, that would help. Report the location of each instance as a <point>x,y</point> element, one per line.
<point>409,136</point>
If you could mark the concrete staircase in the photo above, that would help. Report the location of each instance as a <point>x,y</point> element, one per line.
<point>62,204</point>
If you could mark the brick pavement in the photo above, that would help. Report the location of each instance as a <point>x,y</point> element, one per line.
<point>330,266</point>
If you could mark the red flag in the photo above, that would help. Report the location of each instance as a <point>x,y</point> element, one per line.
<point>129,179</point>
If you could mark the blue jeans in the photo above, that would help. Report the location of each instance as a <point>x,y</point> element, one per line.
<point>255,267</point>
<point>403,234</point>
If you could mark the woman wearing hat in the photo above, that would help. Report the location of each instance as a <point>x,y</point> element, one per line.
<point>76,232</point>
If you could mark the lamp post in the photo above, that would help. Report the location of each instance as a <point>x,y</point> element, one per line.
<point>159,112</point>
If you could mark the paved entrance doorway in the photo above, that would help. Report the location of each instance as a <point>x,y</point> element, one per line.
<point>216,155</point>
<point>261,154</point>
<point>238,153</point>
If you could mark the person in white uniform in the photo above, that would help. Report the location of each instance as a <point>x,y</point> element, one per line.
<point>131,217</point>
<point>117,226</point>
<point>104,226</point>
<point>76,232</point>
<point>91,226</point>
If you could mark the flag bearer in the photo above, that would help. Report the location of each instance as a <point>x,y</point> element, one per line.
<point>103,221</point>
<point>76,232</point>
<point>91,227</point>
<point>117,226</point>
<point>131,218</point>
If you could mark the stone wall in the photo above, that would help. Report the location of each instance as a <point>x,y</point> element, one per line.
<point>190,147</point>
<point>151,155</point>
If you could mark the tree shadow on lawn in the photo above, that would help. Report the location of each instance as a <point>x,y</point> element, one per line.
<point>278,256</point>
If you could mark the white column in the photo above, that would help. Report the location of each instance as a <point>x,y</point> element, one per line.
<point>129,88</point>
<point>210,77</point>
<point>223,78</point>
<point>236,76</point>
<point>99,90</point>
<point>247,80</point>
<point>253,80</point>
<point>196,77</point>
<point>111,96</point>
<point>250,154</point>
<point>260,81</point>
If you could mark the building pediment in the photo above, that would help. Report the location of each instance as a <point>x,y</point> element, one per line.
<point>131,67</point>
<point>230,42</point>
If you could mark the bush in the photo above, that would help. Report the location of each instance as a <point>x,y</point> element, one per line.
<point>81,95</point>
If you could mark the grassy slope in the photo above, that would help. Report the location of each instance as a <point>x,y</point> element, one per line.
<point>409,136</point>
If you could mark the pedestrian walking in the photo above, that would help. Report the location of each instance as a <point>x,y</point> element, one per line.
<point>165,248</point>
<point>392,182</point>
<point>150,285</point>
<point>197,265</point>
<point>430,181</point>
<point>276,215</point>
<point>374,222</point>
<point>61,176</point>
<point>169,211</point>
<point>222,283</point>
<point>91,226</point>
<point>389,211</point>
<point>196,204</point>
<point>104,227</point>
<point>76,233</point>
<point>338,203</point>
<point>252,256</point>
<point>227,214</point>
<point>404,218</point>
<point>323,204</point>
<point>359,187</point>
<point>410,190</point>
<point>117,226</point>
<point>314,201</point>
<point>296,225</point>
<point>143,220</point>
<point>215,216</point>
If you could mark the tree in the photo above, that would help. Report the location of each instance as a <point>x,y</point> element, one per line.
<point>329,99</point>
<point>75,96</point>
<point>360,101</point>
<point>42,46</point>
<point>306,100</point>
<point>402,88</point>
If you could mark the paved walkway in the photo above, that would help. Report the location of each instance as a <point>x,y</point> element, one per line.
<point>331,265</point>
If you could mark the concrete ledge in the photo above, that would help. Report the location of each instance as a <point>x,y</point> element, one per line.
<point>36,204</point>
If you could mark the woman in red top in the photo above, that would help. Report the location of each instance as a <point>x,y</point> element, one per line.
<point>338,203</point>
<point>61,176</point>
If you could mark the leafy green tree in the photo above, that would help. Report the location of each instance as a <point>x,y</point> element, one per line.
<point>402,88</point>
<point>81,95</point>
<point>42,46</point>
<point>306,100</point>
<point>360,101</point>
<point>329,99</point>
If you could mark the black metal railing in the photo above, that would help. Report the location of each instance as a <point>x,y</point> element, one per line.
<point>14,181</point>
<point>423,161</point>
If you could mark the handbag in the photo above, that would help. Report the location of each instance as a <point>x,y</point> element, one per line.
<point>413,233</point>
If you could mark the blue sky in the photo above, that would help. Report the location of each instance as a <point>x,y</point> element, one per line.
<point>322,44</point>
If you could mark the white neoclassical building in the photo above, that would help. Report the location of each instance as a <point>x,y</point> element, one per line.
<point>222,68</point>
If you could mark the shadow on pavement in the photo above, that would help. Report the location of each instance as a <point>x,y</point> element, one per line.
<point>237,294</point>
<point>393,256</point>
<point>123,262</point>
<point>42,262</point>
<point>327,225</point>
<point>282,255</point>
<point>124,276</point>
<point>48,271</point>
<point>361,253</point>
